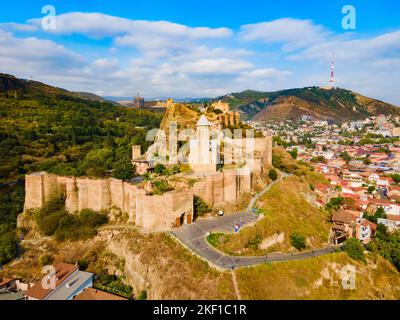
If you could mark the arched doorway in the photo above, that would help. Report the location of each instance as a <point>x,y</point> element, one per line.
<point>180,220</point>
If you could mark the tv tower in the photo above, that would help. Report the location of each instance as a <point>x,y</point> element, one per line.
<point>332,80</point>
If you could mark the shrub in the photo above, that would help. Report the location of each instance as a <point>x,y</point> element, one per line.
<point>294,153</point>
<point>354,249</point>
<point>254,242</point>
<point>52,219</point>
<point>298,241</point>
<point>161,186</point>
<point>142,295</point>
<point>46,260</point>
<point>160,169</point>
<point>8,244</point>
<point>113,284</point>
<point>335,203</point>
<point>273,174</point>
<point>200,208</point>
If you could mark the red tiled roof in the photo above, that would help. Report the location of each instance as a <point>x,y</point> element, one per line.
<point>345,216</point>
<point>4,281</point>
<point>322,187</point>
<point>393,217</point>
<point>381,202</point>
<point>94,294</point>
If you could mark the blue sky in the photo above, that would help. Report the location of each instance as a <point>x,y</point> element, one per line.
<point>203,48</point>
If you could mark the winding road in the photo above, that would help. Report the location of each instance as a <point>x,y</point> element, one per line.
<point>193,236</point>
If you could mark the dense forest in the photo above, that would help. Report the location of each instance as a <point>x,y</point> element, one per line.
<point>48,129</point>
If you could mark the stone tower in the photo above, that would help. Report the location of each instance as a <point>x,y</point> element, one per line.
<point>136,153</point>
<point>202,157</point>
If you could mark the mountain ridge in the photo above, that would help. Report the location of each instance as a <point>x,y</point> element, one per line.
<point>11,85</point>
<point>320,103</point>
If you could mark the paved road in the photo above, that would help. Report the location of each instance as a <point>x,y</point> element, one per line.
<point>253,200</point>
<point>194,237</point>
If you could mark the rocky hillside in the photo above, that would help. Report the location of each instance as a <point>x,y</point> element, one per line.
<point>157,264</point>
<point>338,104</point>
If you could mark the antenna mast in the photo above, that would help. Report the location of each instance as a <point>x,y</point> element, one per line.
<point>332,80</point>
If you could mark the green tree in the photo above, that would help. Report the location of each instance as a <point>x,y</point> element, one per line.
<point>200,208</point>
<point>98,162</point>
<point>160,169</point>
<point>273,174</point>
<point>345,156</point>
<point>354,249</point>
<point>294,153</point>
<point>396,178</point>
<point>298,241</point>
<point>371,189</point>
<point>123,169</point>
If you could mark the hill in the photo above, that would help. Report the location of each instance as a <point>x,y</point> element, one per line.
<point>11,86</point>
<point>44,128</point>
<point>287,209</point>
<point>157,264</point>
<point>338,104</point>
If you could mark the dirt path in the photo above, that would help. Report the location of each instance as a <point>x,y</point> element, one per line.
<point>235,285</point>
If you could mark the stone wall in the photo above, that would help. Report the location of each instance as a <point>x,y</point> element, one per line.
<point>152,213</point>
<point>223,186</point>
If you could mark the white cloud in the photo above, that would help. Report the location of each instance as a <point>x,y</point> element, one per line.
<point>267,73</point>
<point>214,66</point>
<point>180,61</point>
<point>353,49</point>
<point>293,33</point>
<point>105,63</point>
<point>143,34</point>
<point>33,55</point>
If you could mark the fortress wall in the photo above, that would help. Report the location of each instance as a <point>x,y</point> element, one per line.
<point>199,188</point>
<point>245,181</point>
<point>140,206</point>
<point>155,211</point>
<point>117,193</point>
<point>218,188</point>
<point>257,166</point>
<point>71,199</point>
<point>268,152</point>
<point>160,212</point>
<point>99,194</point>
<point>209,194</point>
<point>34,195</point>
<point>50,186</point>
<point>130,194</point>
<point>230,185</point>
<point>264,147</point>
<point>62,184</point>
<point>82,186</point>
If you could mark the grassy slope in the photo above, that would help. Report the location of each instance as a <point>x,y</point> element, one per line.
<point>287,211</point>
<point>172,272</point>
<point>304,280</point>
